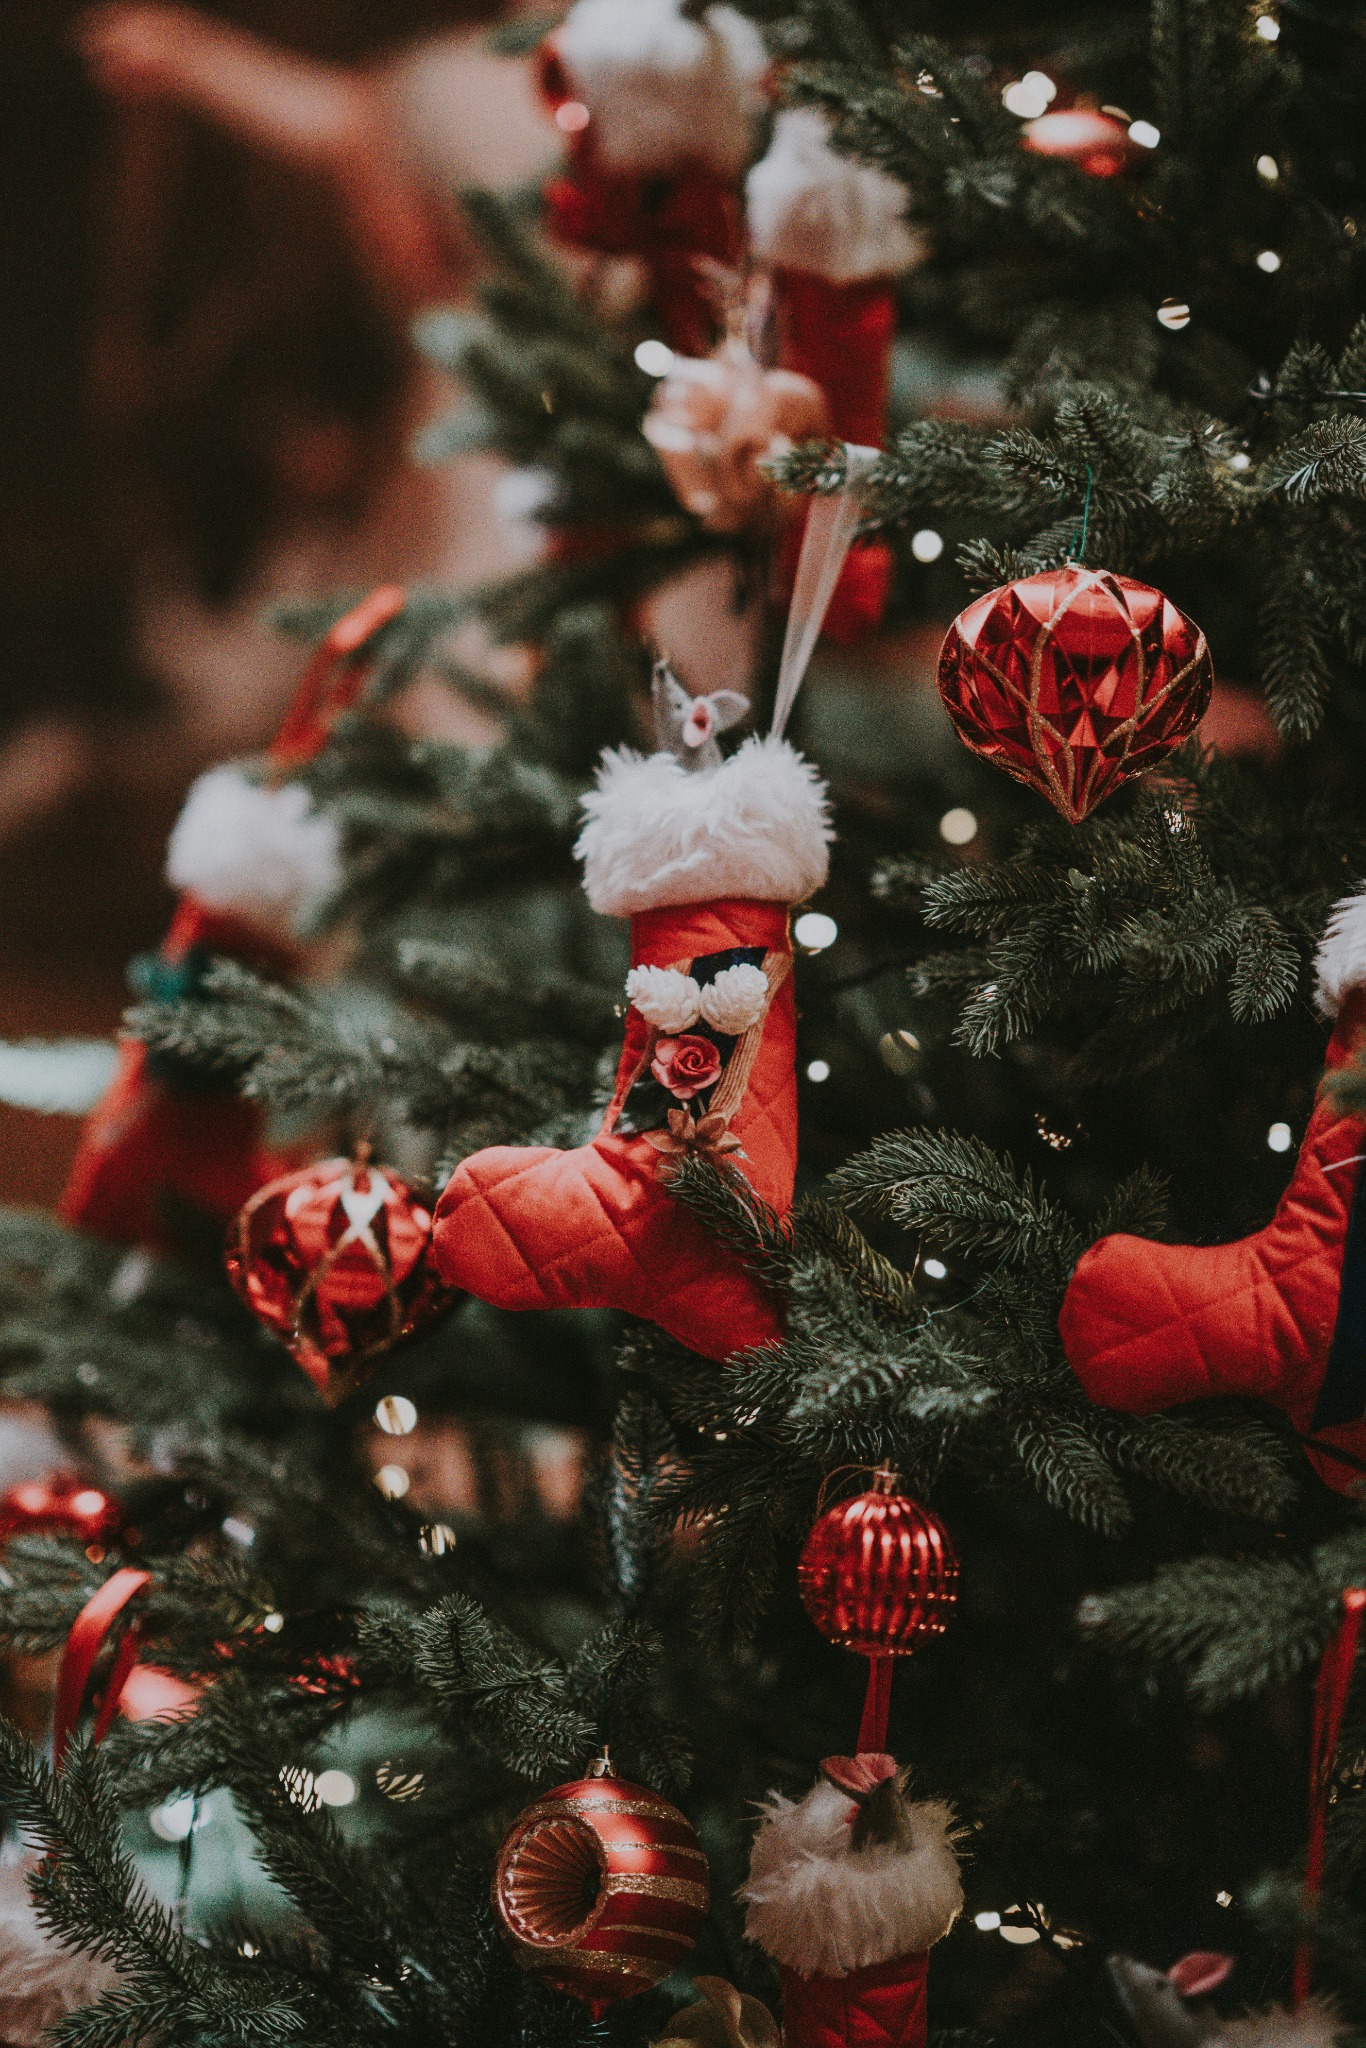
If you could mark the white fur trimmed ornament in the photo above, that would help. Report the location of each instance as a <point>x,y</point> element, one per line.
<point>1340,963</point>
<point>40,1980</point>
<point>757,826</point>
<point>821,1910</point>
<point>662,89</point>
<point>811,209</point>
<point>257,850</point>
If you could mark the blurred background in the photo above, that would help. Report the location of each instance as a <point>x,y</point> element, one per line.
<point>217,229</point>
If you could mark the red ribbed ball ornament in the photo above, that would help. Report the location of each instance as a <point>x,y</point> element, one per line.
<point>601,1888</point>
<point>878,1574</point>
<point>336,1259</point>
<point>60,1505</point>
<point>1073,681</point>
<point>1096,143</point>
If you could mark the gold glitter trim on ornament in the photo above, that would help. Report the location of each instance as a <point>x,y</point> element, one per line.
<point>681,1889</point>
<point>658,1809</point>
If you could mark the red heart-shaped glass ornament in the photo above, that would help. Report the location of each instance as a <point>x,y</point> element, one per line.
<point>1073,681</point>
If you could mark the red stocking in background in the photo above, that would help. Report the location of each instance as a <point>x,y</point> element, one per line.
<point>848,1891</point>
<point>706,857</point>
<point>250,857</point>
<point>658,105</point>
<point>833,234</point>
<point>1280,1315</point>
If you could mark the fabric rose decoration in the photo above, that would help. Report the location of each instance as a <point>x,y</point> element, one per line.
<point>685,1065</point>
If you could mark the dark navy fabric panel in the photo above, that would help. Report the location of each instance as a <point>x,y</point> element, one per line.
<point>1342,1397</point>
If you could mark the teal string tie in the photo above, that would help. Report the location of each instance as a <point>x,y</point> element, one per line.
<point>1077,552</point>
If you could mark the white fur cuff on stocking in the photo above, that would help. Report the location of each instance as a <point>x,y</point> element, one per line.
<point>756,827</point>
<point>821,1911</point>
<point>1340,963</point>
<point>260,852</point>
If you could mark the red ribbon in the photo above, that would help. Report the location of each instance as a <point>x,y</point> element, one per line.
<point>89,1633</point>
<point>1330,1702</point>
<point>332,681</point>
<point>877,1705</point>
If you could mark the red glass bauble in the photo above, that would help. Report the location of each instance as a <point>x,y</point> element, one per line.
<point>336,1260</point>
<point>1073,681</point>
<point>60,1506</point>
<point>1096,143</point>
<point>877,1574</point>
<point>601,1888</point>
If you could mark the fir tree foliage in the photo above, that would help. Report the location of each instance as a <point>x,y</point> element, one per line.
<point>1089,1030</point>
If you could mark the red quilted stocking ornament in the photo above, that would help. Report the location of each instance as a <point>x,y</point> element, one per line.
<point>834,235</point>
<point>658,102</point>
<point>706,857</point>
<point>848,1891</point>
<point>705,865</point>
<point>249,857</point>
<point>1280,1315</point>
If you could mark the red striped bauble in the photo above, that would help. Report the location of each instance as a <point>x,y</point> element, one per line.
<point>601,1888</point>
<point>877,1573</point>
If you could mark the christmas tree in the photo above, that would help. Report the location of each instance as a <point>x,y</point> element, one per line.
<point>1045,1283</point>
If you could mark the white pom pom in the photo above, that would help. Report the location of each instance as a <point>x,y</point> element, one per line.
<point>263,853</point>
<point>811,209</point>
<point>40,1981</point>
<point>664,997</point>
<point>735,999</point>
<point>663,90</point>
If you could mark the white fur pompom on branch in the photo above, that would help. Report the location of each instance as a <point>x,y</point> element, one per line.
<point>262,853</point>
<point>662,89</point>
<point>40,1981</point>
<point>1340,963</point>
<point>757,826</point>
<point>821,1910</point>
<point>811,209</point>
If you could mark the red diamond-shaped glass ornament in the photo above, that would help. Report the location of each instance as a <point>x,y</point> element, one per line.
<point>1073,681</point>
<point>336,1260</point>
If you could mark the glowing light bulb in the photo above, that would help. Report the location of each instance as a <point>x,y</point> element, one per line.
<point>814,931</point>
<point>927,545</point>
<point>572,118</point>
<point>175,1819</point>
<point>1174,314</point>
<point>958,826</point>
<point>1030,96</point>
<point>335,1788</point>
<point>272,1623</point>
<point>1268,168</point>
<point>655,358</point>
<point>1242,460</point>
<point>1268,261</point>
<point>1268,28</point>
<point>1144,134</point>
<point>818,1070</point>
<point>934,1269</point>
<point>988,1922</point>
<point>392,1481</point>
<point>396,1415</point>
<point>1278,1138</point>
